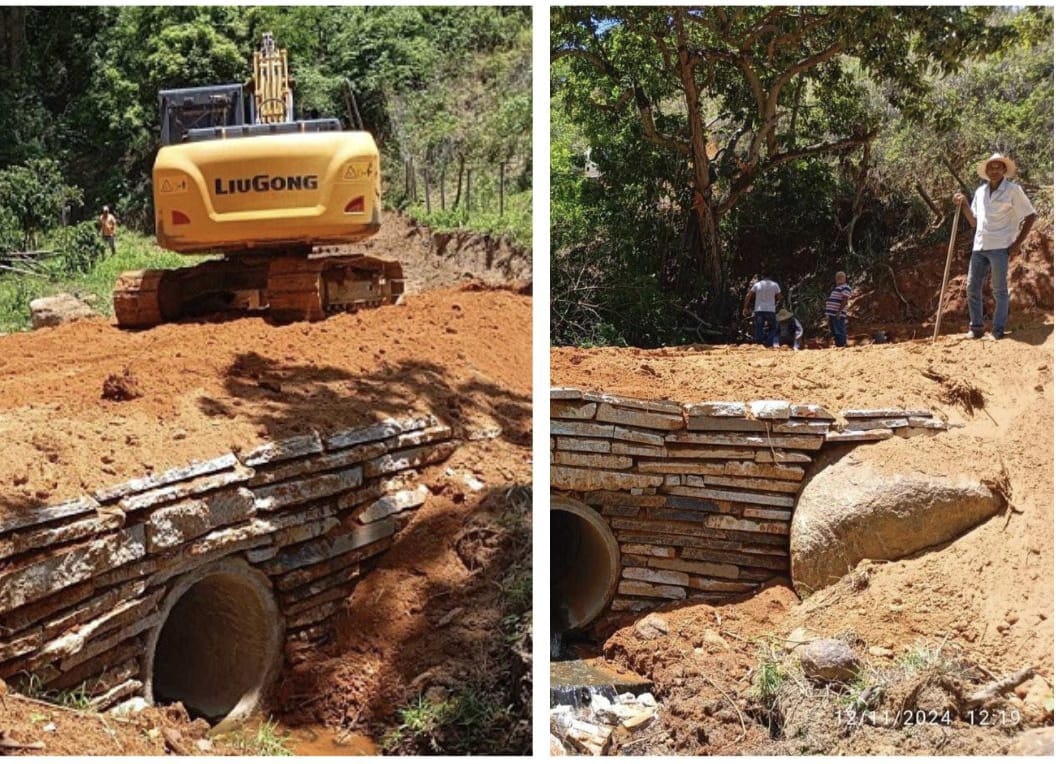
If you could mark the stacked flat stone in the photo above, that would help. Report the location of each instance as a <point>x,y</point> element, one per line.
<point>880,424</point>
<point>81,582</point>
<point>699,496</point>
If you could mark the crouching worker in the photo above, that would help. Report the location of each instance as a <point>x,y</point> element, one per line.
<point>789,330</point>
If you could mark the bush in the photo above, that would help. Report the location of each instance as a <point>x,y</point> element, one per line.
<point>79,246</point>
<point>10,233</point>
<point>34,195</point>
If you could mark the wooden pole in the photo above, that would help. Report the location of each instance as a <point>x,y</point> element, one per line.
<point>502,188</point>
<point>946,273</point>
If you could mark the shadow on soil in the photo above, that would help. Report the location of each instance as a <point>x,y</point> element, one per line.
<point>304,396</point>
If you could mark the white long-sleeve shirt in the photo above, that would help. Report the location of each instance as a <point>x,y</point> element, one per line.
<point>998,214</point>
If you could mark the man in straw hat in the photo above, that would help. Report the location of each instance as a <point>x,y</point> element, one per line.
<point>789,329</point>
<point>1002,216</point>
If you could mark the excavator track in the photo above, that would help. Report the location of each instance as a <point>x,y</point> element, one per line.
<point>285,288</point>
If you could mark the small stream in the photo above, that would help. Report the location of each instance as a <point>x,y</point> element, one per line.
<point>590,698</point>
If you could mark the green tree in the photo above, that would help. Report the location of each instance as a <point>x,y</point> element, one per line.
<point>723,88</point>
<point>34,196</point>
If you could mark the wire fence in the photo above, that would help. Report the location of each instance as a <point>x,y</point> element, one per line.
<point>467,186</point>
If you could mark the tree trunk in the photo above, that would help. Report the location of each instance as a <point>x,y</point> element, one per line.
<point>469,185</point>
<point>928,200</point>
<point>709,258</point>
<point>458,189</point>
<point>795,112</point>
<point>953,171</point>
<point>12,37</point>
<point>443,183</point>
<point>860,181</point>
<point>428,201</point>
<point>709,239</point>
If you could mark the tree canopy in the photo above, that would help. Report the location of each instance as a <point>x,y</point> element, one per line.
<point>81,83</point>
<point>728,138</point>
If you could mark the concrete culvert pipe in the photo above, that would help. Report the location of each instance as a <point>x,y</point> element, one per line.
<point>584,564</point>
<point>218,647</point>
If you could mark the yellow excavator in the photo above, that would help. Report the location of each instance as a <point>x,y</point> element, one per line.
<point>281,199</point>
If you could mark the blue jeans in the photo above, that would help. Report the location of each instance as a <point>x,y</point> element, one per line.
<point>838,327</point>
<point>765,326</point>
<point>996,262</point>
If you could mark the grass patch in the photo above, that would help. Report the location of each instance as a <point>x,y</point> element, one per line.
<point>32,686</point>
<point>267,740</point>
<point>515,224</point>
<point>95,286</point>
<point>770,675</point>
<point>517,588</point>
<point>516,582</point>
<point>921,658</point>
<point>467,722</point>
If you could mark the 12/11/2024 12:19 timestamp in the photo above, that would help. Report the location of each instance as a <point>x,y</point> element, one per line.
<point>980,717</point>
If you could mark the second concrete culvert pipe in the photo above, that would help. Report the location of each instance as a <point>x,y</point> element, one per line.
<point>584,564</point>
<point>218,647</point>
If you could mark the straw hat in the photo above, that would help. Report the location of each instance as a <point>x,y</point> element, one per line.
<point>1010,166</point>
<point>784,314</point>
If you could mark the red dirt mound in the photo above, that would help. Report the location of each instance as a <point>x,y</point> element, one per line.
<point>904,301</point>
<point>208,387</point>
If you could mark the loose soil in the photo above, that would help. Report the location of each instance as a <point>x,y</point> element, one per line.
<point>987,595</point>
<point>433,259</point>
<point>208,387</point>
<point>67,732</point>
<point>460,349</point>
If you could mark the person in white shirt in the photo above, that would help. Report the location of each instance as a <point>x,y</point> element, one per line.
<point>1002,217</point>
<point>767,296</point>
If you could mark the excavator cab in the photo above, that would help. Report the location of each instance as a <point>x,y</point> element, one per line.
<point>279,198</point>
<point>189,109</point>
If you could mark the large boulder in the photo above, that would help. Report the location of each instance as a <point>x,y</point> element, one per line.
<point>57,309</point>
<point>887,501</point>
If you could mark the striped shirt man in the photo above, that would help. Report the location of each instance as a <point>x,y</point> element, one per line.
<point>836,304</point>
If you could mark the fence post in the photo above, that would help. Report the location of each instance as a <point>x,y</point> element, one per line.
<point>502,188</point>
<point>428,202</point>
<point>443,181</point>
<point>469,179</point>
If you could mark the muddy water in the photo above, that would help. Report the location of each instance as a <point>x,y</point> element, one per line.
<point>321,741</point>
<point>317,740</point>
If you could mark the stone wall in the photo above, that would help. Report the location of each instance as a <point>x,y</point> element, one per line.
<point>81,582</point>
<point>699,496</point>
